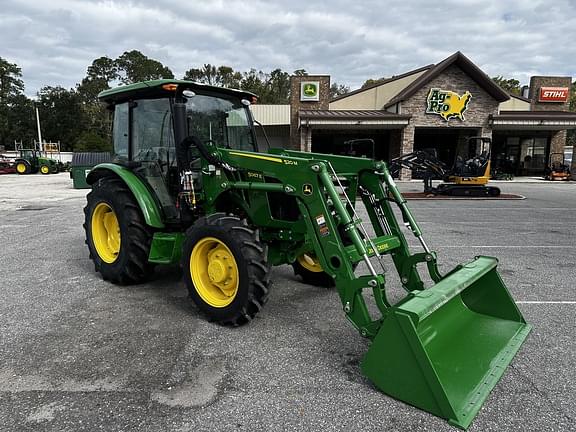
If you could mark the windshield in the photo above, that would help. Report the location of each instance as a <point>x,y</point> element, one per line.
<point>221,120</point>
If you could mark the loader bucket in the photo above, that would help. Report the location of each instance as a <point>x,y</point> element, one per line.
<point>444,349</point>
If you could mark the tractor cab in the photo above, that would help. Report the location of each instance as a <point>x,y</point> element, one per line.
<point>161,129</point>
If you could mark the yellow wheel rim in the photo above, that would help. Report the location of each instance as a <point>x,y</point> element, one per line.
<point>44,169</point>
<point>105,232</point>
<point>214,272</point>
<point>21,168</point>
<point>310,262</point>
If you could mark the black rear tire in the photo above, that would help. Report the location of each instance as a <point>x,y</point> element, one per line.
<point>493,191</point>
<point>315,278</point>
<point>251,268</point>
<point>23,167</point>
<point>131,263</point>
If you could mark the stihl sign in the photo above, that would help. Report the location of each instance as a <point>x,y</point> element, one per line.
<point>553,94</point>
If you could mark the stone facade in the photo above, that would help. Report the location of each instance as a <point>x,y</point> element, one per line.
<point>558,142</point>
<point>558,139</point>
<point>480,107</point>
<point>302,139</point>
<point>540,81</point>
<point>453,78</point>
<point>476,121</point>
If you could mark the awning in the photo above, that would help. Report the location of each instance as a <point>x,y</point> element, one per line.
<point>351,119</point>
<point>533,120</point>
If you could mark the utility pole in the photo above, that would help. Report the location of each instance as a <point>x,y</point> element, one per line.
<point>39,132</point>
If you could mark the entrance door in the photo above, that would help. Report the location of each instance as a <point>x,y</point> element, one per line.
<point>447,143</point>
<point>335,142</point>
<point>533,153</point>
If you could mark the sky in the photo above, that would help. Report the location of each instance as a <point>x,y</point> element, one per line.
<point>54,41</point>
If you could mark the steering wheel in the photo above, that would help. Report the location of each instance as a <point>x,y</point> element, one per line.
<point>208,152</point>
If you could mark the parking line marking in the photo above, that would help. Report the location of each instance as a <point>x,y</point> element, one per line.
<point>509,247</point>
<point>497,208</point>
<point>544,302</point>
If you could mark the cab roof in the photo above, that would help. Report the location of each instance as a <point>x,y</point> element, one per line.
<point>155,88</point>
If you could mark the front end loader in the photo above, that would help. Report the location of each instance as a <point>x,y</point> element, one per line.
<point>187,185</point>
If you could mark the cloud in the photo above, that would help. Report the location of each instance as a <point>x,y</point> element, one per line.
<point>54,42</point>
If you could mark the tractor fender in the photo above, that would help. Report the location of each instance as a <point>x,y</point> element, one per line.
<point>148,206</point>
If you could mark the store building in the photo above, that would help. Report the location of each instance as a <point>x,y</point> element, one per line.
<point>433,107</point>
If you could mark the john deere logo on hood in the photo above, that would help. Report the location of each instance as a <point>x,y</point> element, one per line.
<point>447,104</point>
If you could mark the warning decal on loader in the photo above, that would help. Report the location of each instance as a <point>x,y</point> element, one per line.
<point>322,227</point>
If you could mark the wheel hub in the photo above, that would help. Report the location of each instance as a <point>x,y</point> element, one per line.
<point>217,271</point>
<point>310,262</point>
<point>214,272</point>
<point>106,232</point>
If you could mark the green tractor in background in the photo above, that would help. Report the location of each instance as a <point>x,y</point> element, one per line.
<point>187,185</point>
<point>31,161</point>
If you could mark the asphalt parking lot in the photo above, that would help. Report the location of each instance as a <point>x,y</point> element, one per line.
<point>80,354</point>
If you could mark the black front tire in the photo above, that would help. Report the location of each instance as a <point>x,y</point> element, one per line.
<point>250,256</point>
<point>131,265</point>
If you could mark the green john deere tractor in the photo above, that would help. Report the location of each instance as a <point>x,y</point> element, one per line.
<point>189,186</point>
<point>30,161</point>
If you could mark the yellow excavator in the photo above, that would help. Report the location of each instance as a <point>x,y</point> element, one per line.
<point>466,177</point>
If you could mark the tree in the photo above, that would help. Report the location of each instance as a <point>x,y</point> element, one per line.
<point>278,84</point>
<point>99,76</point>
<point>222,76</point>
<point>133,66</point>
<point>255,82</point>
<point>90,141</point>
<point>11,96</point>
<point>21,120</point>
<point>372,82</point>
<point>61,115</point>
<point>511,85</point>
<point>338,90</point>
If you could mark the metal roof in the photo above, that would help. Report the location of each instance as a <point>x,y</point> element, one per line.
<point>351,114</point>
<point>534,120</point>
<point>353,119</point>
<point>383,82</point>
<point>268,115</point>
<point>466,65</point>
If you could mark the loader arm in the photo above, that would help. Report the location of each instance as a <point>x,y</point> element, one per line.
<point>441,348</point>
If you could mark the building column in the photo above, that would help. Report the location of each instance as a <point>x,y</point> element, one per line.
<point>486,132</point>
<point>406,146</point>
<point>305,139</point>
<point>558,142</point>
<point>573,167</point>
